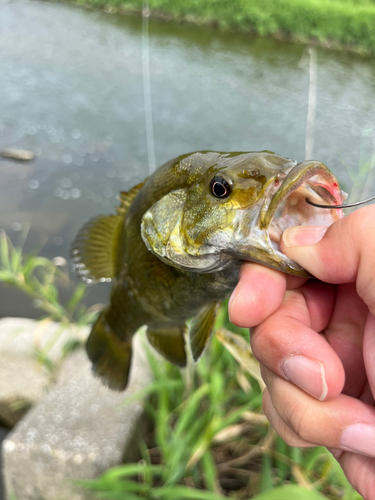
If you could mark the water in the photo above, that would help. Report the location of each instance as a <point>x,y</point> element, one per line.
<point>71,90</point>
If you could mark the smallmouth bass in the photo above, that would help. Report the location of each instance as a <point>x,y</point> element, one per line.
<point>175,246</point>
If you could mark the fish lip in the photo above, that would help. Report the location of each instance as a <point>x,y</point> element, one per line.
<point>296,212</point>
<point>294,180</point>
<point>259,236</point>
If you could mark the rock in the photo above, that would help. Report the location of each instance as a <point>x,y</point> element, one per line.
<point>17,154</point>
<point>76,432</point>
<point>3,433</point>
<point>24,380</point>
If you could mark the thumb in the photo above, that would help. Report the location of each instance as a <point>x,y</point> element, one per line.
<point>342,253</point>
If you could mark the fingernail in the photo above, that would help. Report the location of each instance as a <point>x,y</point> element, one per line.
<point>307,374</point>
<point>232,297</point>
<point>359,438</point>
<point>299,236</point>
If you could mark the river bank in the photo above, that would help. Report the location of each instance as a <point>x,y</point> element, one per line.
<point>341,24</point>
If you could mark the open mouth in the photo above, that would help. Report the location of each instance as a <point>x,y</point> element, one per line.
<point>288,207</point>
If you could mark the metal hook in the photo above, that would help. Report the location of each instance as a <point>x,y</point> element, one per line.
<point>334,207</point>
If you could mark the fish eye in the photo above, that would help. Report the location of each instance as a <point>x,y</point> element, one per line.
<point>220,187</point>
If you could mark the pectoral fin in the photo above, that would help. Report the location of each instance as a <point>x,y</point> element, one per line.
<point>170,343</point>
<point>201,329</point>
<point>94,249</point>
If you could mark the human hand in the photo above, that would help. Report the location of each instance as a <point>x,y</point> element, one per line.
<point>315,341</point>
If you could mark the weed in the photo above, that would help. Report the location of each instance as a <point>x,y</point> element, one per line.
<point>211,440</point>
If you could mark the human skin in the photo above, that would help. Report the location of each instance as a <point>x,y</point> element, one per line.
<point>315,341</point>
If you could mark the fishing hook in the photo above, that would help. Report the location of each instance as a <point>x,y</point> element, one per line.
<point>334,207</point>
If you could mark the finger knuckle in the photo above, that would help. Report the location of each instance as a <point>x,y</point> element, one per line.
<point>297,418</point>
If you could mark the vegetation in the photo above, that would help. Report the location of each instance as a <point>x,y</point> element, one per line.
<point>210,440</point>
<point>41,279</point>
<point>337,23</point>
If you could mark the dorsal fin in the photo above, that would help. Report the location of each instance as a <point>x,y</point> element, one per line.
<point>94,249</point>
<point>201,329</point>
<point>127,197</point>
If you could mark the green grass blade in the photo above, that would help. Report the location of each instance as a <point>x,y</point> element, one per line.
<point>126,470</point>
<point>76,297</point>
<point>184,493</point>
<point>190,411</point>
<point>266,473</point>
<point>281,467</point>
<point>209,471</point>
<point>290,492</point>
<point>350,494</point>
<point>4,251</point>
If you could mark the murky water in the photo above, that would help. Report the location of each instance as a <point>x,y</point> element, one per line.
<point>71,90</point>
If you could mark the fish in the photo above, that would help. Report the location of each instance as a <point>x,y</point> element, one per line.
<point>174,247</point>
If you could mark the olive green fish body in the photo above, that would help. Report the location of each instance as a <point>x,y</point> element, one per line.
<point>175,247</point>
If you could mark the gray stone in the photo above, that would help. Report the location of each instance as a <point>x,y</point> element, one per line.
<point>23,381</point>
<point>76,432</point>
<point>17,154</point>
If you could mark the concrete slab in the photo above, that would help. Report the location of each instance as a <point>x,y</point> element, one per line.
<point>77,431</point>
<point>23,381</point>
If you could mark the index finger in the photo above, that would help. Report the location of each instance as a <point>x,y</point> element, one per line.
<point>259,293</point>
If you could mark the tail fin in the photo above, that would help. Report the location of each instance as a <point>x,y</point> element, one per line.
<point>110,355</point>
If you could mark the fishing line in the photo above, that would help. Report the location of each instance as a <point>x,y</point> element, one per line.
<point>334,207</point>
<point>147,88</point>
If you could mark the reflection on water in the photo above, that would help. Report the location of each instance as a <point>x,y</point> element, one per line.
<point>71,91</point>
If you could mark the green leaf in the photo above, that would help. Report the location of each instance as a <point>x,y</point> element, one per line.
<point>281,466</point>
<point>71,345</point>
<point>290,492</point>
<point>130,470</point>
<point>266,473</point>
<point>209,470</point>
<point>4,251</point>
<point>53,295</point>
<point>7,276</point>
<point>116,495</point>
<point>310,457</point>
<point>191,408</point>
<point>154,388</point>
<point>76,297</point>
<point>15,260</point>
<point>31,263</point>
<point>296,454</point>
<point>185,493</point>
<point>350,494</point>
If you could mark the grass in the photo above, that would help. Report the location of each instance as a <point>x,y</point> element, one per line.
<point>210,439</point>
<point>40,279</point>
<point>336,23</point>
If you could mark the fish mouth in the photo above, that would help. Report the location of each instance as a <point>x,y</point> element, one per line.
<point>288,207</point>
